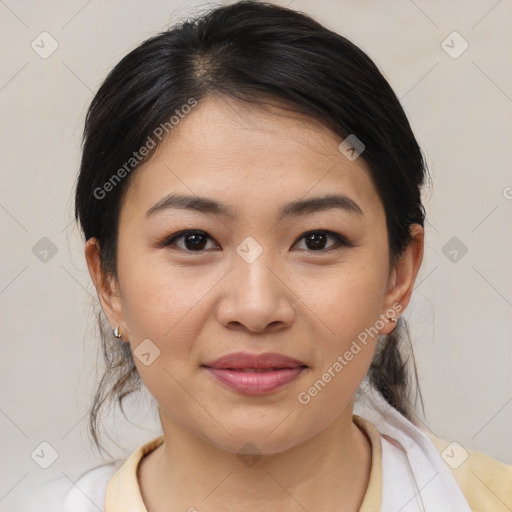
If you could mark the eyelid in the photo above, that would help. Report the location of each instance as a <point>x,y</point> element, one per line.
<point>341,240</point>
<point>171,239</point>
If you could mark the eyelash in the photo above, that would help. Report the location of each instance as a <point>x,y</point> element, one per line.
<point>341,241</point>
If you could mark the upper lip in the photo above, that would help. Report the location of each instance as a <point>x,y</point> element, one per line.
<point>242,360</point>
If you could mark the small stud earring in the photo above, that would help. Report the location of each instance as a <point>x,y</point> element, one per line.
<point>393,320</point>
<point>117,332</point>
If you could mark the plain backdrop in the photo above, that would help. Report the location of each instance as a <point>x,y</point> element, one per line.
<point>459,102</point>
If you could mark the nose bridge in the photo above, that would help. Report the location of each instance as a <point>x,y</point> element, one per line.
<point>255,296</point>
<point>252,273</point>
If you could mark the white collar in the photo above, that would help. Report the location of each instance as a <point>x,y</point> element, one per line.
<point>437,488</point>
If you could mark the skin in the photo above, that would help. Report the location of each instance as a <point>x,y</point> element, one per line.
<point>293,299</point>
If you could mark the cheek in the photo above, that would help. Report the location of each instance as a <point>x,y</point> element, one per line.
<point>157,297</point>
<point>160,307</point>
<point>349,307</point>
<point>351,313</point>
<point>351,299</point>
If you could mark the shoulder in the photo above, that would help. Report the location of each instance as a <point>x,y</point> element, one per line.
<point>485,482</point>
<point>75,492</point>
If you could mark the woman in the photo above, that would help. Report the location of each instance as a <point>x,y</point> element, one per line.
<point>250,196</point>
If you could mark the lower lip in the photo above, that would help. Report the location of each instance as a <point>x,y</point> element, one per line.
<point>256,383</point>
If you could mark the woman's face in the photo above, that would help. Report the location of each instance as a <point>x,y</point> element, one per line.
<point>254,275</point>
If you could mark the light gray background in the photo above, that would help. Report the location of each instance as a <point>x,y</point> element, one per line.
<point>460,110</point>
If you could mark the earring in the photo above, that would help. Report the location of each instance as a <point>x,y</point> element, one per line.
<point>117,332</point>
<point>393,319</point>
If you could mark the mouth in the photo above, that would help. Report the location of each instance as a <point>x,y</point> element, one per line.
<point>255,374</point>
<point>254,370</point>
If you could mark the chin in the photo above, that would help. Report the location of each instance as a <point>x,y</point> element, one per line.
<point>266,438</point>
<point>254,445</point>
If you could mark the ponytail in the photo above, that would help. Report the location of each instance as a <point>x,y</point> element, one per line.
<point>393,371</point>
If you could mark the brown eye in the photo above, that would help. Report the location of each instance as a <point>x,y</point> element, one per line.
<point>197,241</point>
<point>316,241</point>
<point>193,241</point>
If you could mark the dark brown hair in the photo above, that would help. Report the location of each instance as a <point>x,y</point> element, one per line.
<point>263,54</point>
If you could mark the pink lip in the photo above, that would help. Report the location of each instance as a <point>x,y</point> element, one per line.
<point>279,370</point>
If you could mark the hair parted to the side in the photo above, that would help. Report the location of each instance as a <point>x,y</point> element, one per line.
<point>264,54</point>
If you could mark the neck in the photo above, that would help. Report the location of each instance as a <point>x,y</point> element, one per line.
<point>328,472</point>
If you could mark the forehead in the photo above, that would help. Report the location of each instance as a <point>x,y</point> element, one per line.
<point>242,154</point>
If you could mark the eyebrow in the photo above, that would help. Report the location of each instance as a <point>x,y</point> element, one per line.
<point>293,209</point>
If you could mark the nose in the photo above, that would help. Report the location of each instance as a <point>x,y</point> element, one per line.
<point>255,298</point>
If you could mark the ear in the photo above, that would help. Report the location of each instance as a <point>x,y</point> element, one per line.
<point>106,286</point>
<point>403,276</point>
